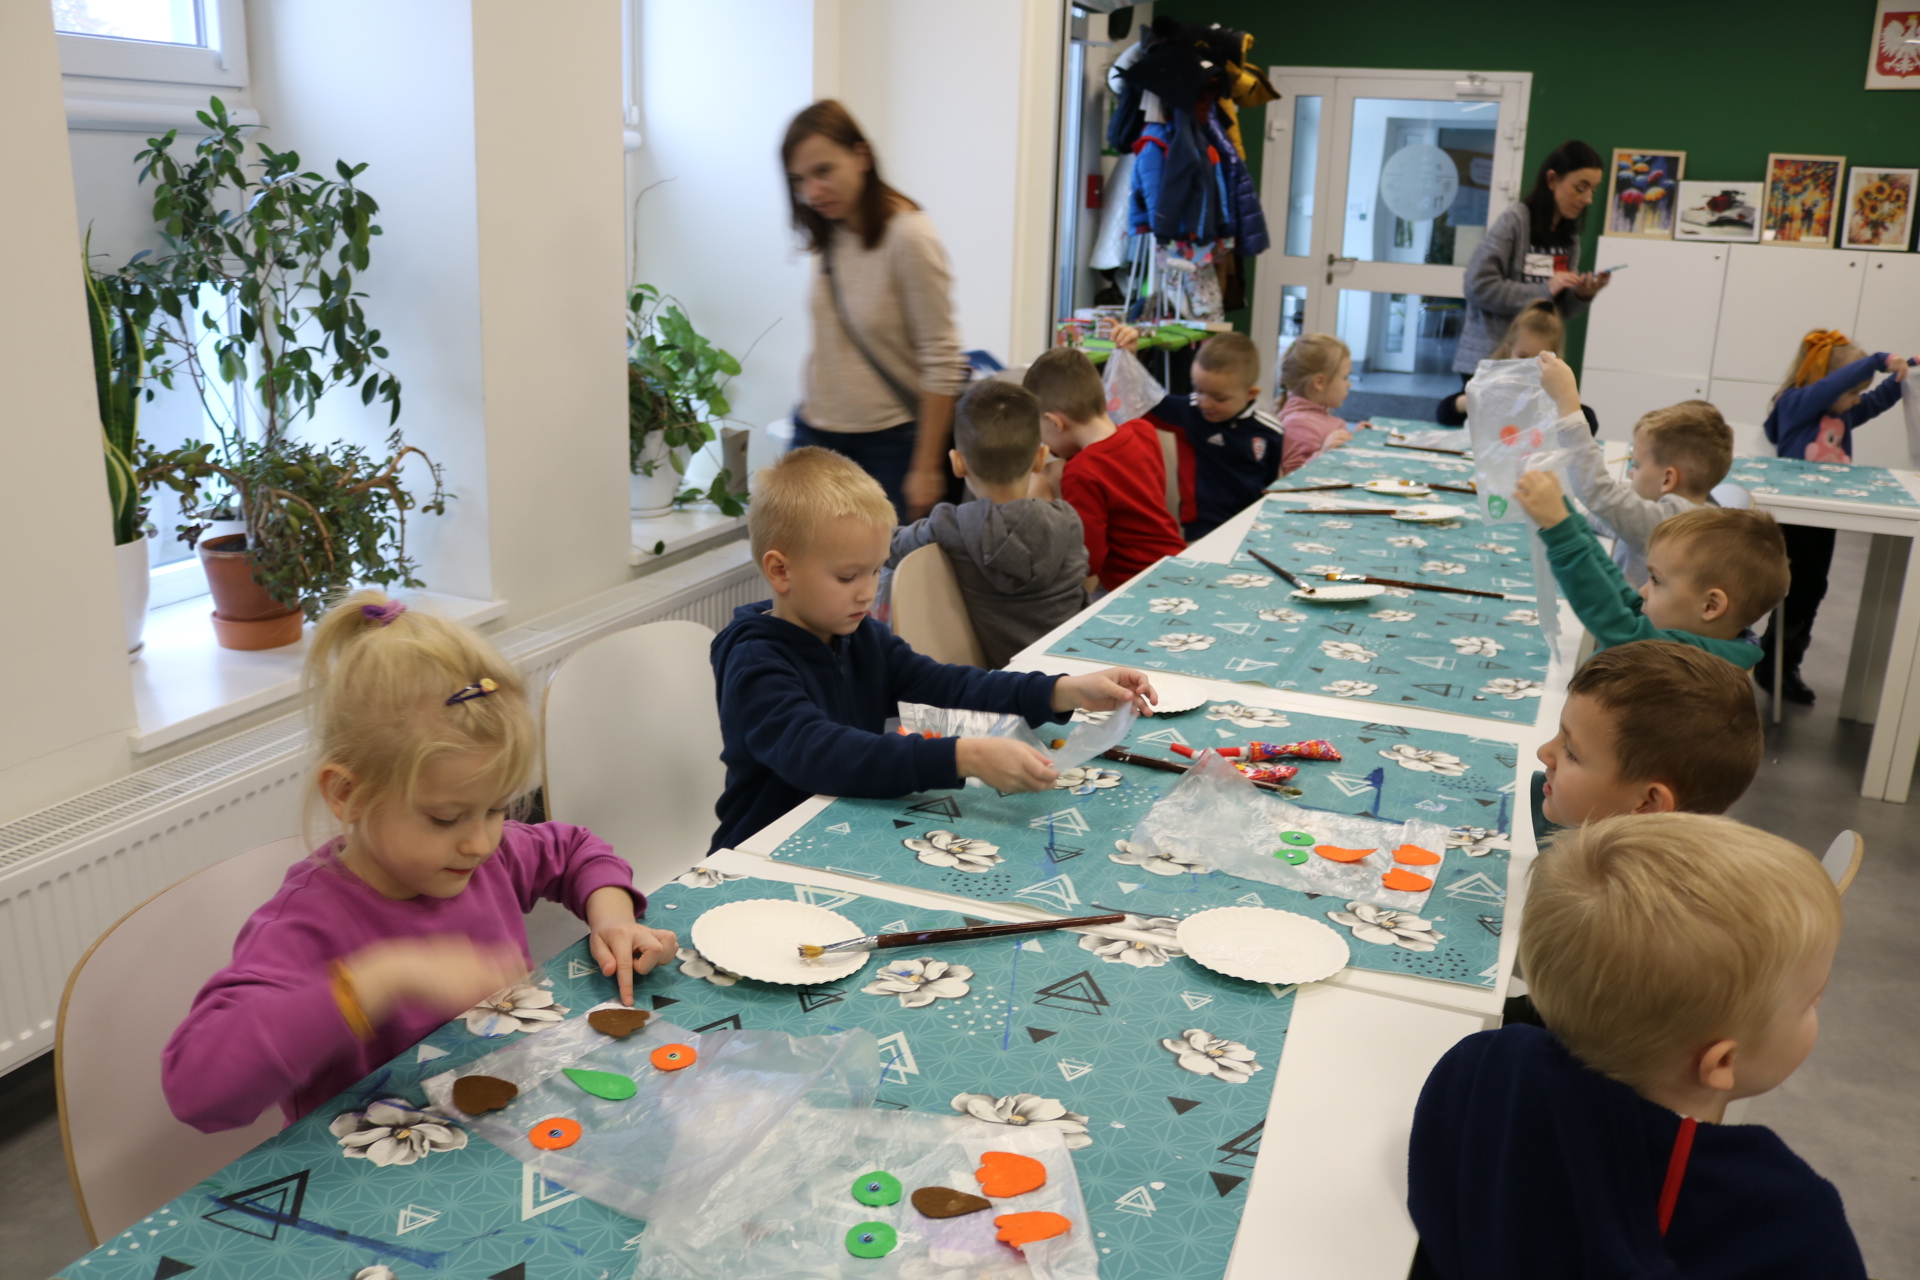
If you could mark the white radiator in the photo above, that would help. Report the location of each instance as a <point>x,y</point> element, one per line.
<point>68,872</point>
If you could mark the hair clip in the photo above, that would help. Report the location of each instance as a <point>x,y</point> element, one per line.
<point>478,689</point>
<point>384,614</point>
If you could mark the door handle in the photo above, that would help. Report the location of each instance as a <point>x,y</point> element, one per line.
<point>1334,260</point>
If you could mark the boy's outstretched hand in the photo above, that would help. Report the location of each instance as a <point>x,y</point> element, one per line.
<point>1004,764</point>
<point>622,945</point>
<point>1557,380</point>
<point>1538,493</point>
<point>1106,690</point>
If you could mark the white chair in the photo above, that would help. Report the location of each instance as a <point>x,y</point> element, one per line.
<point>929,612</point>
<point>1842,858</point>
<point>1728,494</point>
<point>126,1153</point>
<point>631,728</point>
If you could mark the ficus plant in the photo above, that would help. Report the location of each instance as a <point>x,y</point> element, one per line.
<point>677,390</point>
<point>254,305</point>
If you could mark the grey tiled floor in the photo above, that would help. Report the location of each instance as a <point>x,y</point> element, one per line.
<point>1852,1111</point>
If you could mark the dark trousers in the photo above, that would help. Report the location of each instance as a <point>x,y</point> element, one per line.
<point>885,455</point>
<point>1810,555</point>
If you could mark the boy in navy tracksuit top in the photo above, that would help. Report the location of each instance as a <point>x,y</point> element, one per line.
<point>807,681</point>
<point>1229,451</point>
<point>1595,1145</point>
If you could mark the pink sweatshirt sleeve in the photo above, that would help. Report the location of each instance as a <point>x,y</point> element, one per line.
<point>1304,438</point>
<point>564,864</point>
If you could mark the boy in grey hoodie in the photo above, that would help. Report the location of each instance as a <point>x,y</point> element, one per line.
<point>1018,552</point>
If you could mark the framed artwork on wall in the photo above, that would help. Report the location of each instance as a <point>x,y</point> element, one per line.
<point>1640,196</point>
<point>1718,211</point>
<point>1893,56</point>
<point>1803,194</point>
<point>1879,209</point>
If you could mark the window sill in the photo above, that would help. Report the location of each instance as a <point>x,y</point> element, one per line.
<point>657,537</point>
<point>184,683</point>
<point>129,106</point>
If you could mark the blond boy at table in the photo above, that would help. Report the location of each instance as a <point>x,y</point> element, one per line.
<point>807,680</point>
<point>1677,961</point>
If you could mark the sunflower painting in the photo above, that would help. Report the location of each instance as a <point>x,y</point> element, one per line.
<point>1879,208</point>
<point>1802,192</point>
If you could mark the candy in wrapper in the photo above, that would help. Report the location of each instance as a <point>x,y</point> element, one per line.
<point>1267,772</point>
<point>1311,749</point>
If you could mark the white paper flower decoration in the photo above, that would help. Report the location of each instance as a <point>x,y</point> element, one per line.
<point>1477,646</point>
<point>1257,527</point>
<point>1476,842</point>
<point>1852,493</point>
<point>1398,593</point>
<point>706,877</point>
<point>1336,524</point>
<point>1498,548</point>
<point>1512,690</point>
<point>1388,928</point>
<point>1346,651</point>
<point>1413,540</point>
<point>374,1273</point>
<point>1086,780</point>
<point>1282,615</point>
<point>1244,580</point>
<point>1315,548</point>
<point>521,1007</point>
<point>1408,756</point>
<point>1151,859</point>
<point>1351,689</point>
<point>394,1131</point>
<point>1139,954</point>
<point>1443,567</point>
<point>1172,604</point>
<point>695,965</point>
<point>1208,1055</point>
<point>1393,615</point>
<point>1326,568</point>
<point>1026,1110</point>
<point>1247,717</point>
<point>920,982</point>
<point>1182,641</point>
<point>945,849</point>
<point>1525,617</point>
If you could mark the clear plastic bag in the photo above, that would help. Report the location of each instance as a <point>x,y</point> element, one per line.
<point>1083,741</point>
<point>683,1128</point>
<point>1910,401</point>
<point>1131,390</point>
<point>785,1209</point>
<point>1515,427</point>
<point>1214,819</point>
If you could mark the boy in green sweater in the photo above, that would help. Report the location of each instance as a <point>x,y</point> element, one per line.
<point>1711,573</point>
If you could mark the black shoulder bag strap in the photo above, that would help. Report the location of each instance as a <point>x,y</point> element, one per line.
<point>908,400</point>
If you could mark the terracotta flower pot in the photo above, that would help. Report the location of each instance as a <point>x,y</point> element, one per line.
<point>244,615</point>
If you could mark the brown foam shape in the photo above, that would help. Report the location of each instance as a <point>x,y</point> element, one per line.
<point>477,1095</point>
<point>618,1023</point>
<point>945,1202</point>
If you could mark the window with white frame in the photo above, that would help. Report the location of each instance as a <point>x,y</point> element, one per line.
<point>141,63</point>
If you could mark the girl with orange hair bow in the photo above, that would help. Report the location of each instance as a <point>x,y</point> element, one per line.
<point>1822,400</point>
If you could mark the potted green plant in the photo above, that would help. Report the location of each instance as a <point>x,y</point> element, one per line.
<point>119,375</point>
<point>676,392</point>
<point>254,303</point>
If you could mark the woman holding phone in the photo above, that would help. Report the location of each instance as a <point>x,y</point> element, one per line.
<point>1530,253</point>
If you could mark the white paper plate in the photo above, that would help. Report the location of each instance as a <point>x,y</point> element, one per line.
<point>760,938</point>
<point>1177,693</point>
<point>1261,944</point>
<point>1405,488</point>
<point>1430,513</point>
<point>1340,592</point>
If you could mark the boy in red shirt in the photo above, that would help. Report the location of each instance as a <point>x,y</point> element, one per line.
<point>1115,476</point>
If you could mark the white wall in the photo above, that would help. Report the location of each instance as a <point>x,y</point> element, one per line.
<point>66,704</point>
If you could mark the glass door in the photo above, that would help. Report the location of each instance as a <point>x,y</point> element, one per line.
<point>1386,182</point>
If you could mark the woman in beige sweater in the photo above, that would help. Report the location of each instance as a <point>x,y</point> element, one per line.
<point>885,367</point>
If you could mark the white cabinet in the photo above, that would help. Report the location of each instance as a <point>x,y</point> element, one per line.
<point>1889,317</point>
<point>1744,405</point>
<point>1621,399</point>
<point>1773,296</point>
<point>1660,315</point>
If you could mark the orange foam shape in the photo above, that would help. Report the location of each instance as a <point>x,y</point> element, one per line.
<point>673,1057</point>
<point>1022,1229</point>
<point>1002,1174</point>
<point>1405,881</point>
<point>1335,853</point>
<point>554,1133</point>
<point>1413,855</point>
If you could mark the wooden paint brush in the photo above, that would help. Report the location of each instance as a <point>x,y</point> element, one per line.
<point>927,937</point>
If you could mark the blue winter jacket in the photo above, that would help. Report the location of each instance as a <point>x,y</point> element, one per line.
<point>1795,417</point>
<point>800,717</point>
<point>1245,220</point>
<point>1174,191</point>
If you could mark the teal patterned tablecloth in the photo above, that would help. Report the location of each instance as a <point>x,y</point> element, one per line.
<point>1835,481</point>
<point>1053,1028</point>
<point>1066,850</point>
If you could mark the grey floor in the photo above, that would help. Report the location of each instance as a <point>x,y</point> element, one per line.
<point>1851,1111</point>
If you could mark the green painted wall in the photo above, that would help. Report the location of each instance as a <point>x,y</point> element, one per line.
<point>1726,83</point>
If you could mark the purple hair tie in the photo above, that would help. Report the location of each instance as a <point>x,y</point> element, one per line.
<point>384,614</point>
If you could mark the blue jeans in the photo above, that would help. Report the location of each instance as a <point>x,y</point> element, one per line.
<point>885,455</point>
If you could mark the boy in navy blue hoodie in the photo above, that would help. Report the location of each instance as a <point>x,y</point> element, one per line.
<point>1229,451</point>
<point>808,680</point>
<point>1677,961</point>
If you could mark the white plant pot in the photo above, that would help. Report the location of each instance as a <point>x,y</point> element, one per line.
<point>130,558</point>
<point>653,495</point>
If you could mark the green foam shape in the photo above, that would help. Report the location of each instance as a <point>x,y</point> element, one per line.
<point>603,1084</point>
<point>871,1240</point>
<point>1294,856</point>
<point>877,1188</point>
<point>1301,838</point>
